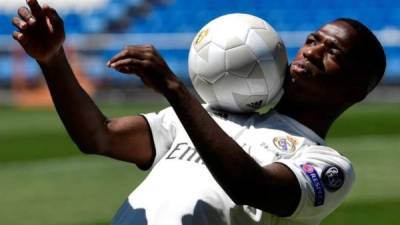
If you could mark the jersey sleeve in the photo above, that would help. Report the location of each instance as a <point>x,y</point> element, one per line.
<point>325,179</point>
<point>163,127</point>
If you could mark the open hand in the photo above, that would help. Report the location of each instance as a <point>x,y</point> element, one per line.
<point>40,30</point>
<point>145,62</point>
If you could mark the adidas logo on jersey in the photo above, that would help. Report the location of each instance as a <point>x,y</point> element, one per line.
<point>255,105</point>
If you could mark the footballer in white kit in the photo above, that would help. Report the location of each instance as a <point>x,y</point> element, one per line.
<point>181,190</point>
<point>276,162</point>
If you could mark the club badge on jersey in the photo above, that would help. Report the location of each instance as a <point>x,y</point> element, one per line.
<point>286,144</point>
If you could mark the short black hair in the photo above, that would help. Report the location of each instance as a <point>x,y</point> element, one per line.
<point>369,52</point>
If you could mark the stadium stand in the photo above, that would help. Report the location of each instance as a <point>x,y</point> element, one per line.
<point>171,24</point>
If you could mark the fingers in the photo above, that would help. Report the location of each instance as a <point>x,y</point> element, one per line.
<point>32,14</point>
<point>19,23</point>
<point>117,57</point>
<point>35,8</point>
<point>124,69</point>
<point>145,62</point>
<point>121,55</point>
<point>26,15</point>
<point>17,35</point>
<point>141,52</point>
<point>131,66</point>
<point>20,37</point>
<point>130,62</point>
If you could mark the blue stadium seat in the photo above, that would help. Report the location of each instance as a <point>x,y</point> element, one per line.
<point>114,10</point>
<point>32,69</point>
<point>73,23</point>
<point>95,67</point>
<point>94,23</point>
<point>5,24</point>
<point>6,70</point>
<point>177,60</point>
<point>393,64</point>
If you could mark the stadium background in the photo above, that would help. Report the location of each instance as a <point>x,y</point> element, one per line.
<point>45,180</point>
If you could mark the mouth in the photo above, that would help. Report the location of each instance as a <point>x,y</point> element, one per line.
<point>304,68</point>
<point>299,68</point>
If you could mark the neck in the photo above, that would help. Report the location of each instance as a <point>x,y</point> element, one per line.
<point>316,117</point>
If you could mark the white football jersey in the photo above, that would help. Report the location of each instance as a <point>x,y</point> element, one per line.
<point>180,190</point>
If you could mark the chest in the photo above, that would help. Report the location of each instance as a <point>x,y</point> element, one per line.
<point>269,145</point>
<point>265,145</point>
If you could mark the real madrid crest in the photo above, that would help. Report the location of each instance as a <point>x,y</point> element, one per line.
<point>286,144</point>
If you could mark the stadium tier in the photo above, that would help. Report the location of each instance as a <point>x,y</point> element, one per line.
<point>171,24</point>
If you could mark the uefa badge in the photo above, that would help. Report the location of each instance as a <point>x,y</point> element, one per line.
<point>286,144</point>
<point>332,178</point>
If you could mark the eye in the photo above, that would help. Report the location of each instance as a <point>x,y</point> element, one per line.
<point>334,51</point>
<point>311,41</point>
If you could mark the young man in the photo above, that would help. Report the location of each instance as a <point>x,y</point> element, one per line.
<point>206,169</point>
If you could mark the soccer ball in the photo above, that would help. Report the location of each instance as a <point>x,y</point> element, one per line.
<point>237,63</point>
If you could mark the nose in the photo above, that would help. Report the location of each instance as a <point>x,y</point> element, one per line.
<point>315,54</point>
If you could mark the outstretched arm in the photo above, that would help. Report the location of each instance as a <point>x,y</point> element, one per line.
<point>41,34</point>
<point>273,188</point>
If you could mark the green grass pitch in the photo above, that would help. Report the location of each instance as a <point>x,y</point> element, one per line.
<point>44,180</point>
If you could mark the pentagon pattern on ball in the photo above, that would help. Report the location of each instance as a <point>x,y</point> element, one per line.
<point>227,88</point>
<point>210,70</point>
<point>230,35</point>
<point>254,22</point>
<point>256,81</point>
<point>204,89</point>
<point>240,61</point>
<point>262,43</point>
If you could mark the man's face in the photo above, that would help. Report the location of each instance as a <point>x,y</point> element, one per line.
<point>322,65</point>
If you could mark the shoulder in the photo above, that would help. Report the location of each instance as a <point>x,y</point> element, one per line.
<point>328,155</point>
<point>331,163</point>
<point>325,177</point>
<point>163,124</point>
<point>165,115</point>
<point>338,168</point>
<point>168,111</point>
